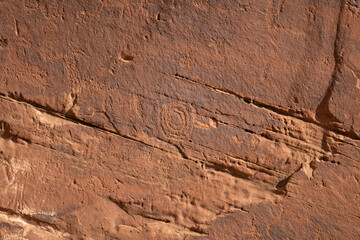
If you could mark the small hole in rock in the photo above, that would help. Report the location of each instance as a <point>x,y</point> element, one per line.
<point>126,57</point>
<point>3,42</point>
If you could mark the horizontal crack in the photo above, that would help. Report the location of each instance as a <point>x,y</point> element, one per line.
<point>274,109</point>
<point>229,170</point>
<point>180,149</point>
<point>81,122</point>
<point>258,167</point>
<point>265,135</point>
<point>78,121</point>
<point>30,219</point>
<point>122,205</point>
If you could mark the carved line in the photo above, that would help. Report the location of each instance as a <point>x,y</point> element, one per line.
<point>176,120</point>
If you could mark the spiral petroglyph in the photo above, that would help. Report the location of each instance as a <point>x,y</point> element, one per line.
<point>176,120</point>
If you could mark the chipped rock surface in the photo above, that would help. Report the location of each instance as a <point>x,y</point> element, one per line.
<point>169,119</point>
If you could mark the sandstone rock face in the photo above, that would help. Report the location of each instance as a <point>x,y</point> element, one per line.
<point>169,119</point>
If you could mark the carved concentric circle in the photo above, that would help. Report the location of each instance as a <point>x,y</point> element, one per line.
<point>176,120</point>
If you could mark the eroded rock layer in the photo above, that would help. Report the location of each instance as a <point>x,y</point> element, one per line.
<point>171,119</point>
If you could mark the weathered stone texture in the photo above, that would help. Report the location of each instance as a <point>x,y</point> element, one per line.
<point>169,119</point>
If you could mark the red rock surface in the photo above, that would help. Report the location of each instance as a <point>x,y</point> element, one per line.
<point>168,119</point>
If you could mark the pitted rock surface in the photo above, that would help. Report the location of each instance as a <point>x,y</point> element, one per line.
<point>169,119</point>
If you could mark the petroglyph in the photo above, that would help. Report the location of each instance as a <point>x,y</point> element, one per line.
<point>173,119</point>
<point>176,120</point>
